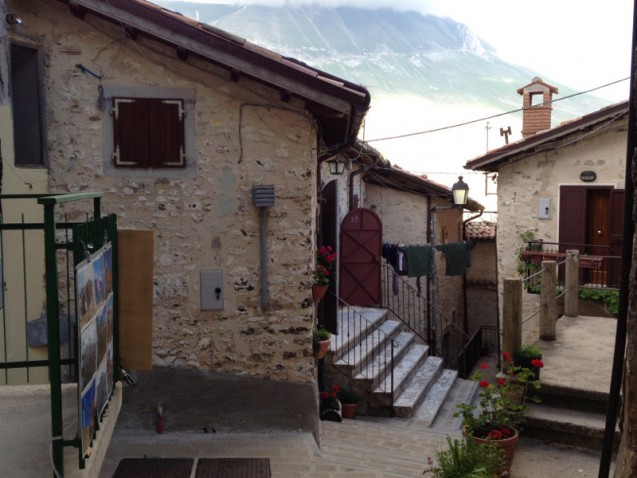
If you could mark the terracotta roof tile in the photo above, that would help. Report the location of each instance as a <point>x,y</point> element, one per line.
<point>481,231</point>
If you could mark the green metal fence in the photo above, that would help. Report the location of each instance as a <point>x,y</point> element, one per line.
<point>38,309</point>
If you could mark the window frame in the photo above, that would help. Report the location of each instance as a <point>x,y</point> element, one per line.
<point>41,108</point>
<point>185,95</point>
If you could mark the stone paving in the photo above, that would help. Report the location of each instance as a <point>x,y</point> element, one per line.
<point>361,448</point>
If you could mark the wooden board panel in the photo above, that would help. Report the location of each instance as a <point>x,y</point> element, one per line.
<point>135,267</point>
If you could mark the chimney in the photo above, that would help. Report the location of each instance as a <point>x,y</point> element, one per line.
<point>537,99</point>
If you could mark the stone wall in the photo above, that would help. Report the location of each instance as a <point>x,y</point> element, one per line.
<point>522,183</point>
<point>245,136</point>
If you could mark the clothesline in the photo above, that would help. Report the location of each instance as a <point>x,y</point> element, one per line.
<point>417,260</point>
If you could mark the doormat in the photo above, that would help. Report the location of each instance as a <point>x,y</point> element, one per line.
<point>154,468</point>
<point>233,468</point>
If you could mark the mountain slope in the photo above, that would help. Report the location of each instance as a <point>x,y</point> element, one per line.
<point>388,52</point>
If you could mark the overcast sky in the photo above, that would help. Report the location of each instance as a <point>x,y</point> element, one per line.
<point>580,44</point>
<point>583,45</point>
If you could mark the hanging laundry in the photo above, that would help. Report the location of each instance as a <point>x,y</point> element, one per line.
<point>419,260</point>
<point>394,257</point>
<point>457,257</point>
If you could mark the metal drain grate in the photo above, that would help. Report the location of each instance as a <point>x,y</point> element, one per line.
<point>233,468</point>
<point>154,468</point>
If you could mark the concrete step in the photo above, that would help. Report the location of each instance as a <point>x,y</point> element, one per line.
<point>368,345</point>
<point>413,381</point>
<point>403,368</point>
<point>462,391</point>
<point>573,398</point>
<point>355,322</point>
<point>427,410</point>
<point>379,367</point>
<point>569,427</point>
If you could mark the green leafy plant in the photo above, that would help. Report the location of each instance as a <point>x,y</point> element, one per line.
<point>467,459</point>
<point>502,403</point>
<point>325,260</point>
<point>321,334</point>
<point>347,395</point>
<point>610,297</point>
<point>530,350</point>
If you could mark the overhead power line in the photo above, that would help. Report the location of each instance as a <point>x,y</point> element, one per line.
<point>442,128</point>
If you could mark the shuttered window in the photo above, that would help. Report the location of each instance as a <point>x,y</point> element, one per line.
<point>148,133</point>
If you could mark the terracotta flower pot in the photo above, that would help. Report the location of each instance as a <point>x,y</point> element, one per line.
<point>318,291</point>
<point>348,410</point>
<point>508,444</point>
<point>320,348</point>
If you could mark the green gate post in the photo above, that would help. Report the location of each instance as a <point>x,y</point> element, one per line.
<point>53,320</point>
<point>53,330</point>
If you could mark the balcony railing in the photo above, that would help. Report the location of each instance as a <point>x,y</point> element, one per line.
<point>598,266</point>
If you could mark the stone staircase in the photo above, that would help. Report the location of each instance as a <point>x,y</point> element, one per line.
<point>361,357</point>
<point>569,416</point>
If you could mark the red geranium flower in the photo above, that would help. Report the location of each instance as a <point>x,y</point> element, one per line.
<point>501,381</point>
<point>495,434</point>
<point>507,357</point>
<point>537,363</point>
<point>484,383</point>
<point>484,366</point>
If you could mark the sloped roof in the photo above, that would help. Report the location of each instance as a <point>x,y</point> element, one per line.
<point>338,105</point>
<point>395,178</point>
<point>550,139</point>
<point>480,231</point>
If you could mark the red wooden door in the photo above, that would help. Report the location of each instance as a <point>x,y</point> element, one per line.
<point>361,235</point>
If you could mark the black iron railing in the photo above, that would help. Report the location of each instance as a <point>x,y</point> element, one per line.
<point>484,342</point>
<point>365,345</point>
<point>407,304</point>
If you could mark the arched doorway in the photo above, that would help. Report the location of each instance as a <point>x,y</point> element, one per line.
<point>361,236</point>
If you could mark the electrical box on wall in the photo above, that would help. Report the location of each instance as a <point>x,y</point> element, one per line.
<point>544,208</point>
<point>211,289</point>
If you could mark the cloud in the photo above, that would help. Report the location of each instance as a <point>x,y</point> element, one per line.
<point>423,6</point>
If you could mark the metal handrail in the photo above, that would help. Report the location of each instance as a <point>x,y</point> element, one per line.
<point>407,304</point>
<point>363,346</point>
<point>474,349</point>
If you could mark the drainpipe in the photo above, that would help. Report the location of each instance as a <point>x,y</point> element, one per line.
<point>263,198</point>
<point>465,321</point>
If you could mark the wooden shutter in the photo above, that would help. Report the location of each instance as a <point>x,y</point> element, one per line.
<point>167,146</point>
<point>148,133</point>
<point>130,131</point>
<point>572,217</point>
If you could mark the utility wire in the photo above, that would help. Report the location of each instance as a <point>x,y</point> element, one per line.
<point>442,128</point>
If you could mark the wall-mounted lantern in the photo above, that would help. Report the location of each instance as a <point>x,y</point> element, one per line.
<point>336,166</point>
<point>460,192</point>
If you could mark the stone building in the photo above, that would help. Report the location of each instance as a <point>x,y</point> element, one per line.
<point>562,185</point>
<point>412,210</point>
<point>179,124</point>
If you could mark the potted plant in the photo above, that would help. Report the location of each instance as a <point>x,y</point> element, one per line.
<point>320,342</point>
<point>530,356</point>
<point>468,459</point>
<point>349,401</point>
<point>500,410</point>
<point>325,260</point>
<point>330,406</point>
